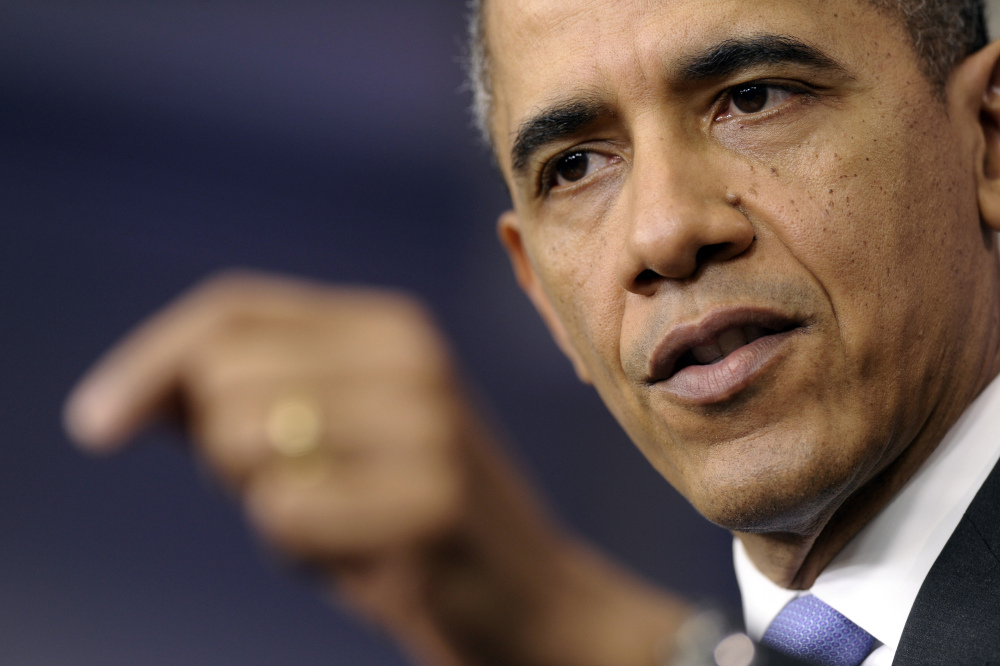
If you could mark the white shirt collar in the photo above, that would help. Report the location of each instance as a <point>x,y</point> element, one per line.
<point>874,580</point>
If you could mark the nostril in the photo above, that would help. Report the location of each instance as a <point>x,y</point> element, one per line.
<point>709,252</point>
<point>646,278</point>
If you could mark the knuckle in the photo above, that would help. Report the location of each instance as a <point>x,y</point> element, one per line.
<point>441,499</point>
<point>235,447</point>
<point>433,424</point>
<point>398,309</point>
<point>236,293</point>
<point>214,295</point>
<point>398,329</point>
<point>227,281</point>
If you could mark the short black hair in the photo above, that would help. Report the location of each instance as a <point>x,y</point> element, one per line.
<point>943,32</point>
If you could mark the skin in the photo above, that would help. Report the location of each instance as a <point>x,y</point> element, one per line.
<point>863,212</point>
<point>848,204</point>
<point>406,507</point>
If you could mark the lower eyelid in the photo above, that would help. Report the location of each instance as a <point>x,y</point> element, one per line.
<point>605,162</point>
<point>548,171</point>
<point>788,93</point>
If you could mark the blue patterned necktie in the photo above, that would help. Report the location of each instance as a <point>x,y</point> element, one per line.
<point>810,629</point>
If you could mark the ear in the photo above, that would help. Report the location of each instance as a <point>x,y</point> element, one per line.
<point>509,231</point>
<point>974,90</point>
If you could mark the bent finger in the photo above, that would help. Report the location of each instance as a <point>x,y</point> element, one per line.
<point>128,385</point>
<point>326,509</point>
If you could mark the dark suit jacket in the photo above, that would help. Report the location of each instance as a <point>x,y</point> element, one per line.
<point>955,620</point>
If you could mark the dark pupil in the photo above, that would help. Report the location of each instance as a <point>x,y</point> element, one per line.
<point>572,167</point>
<point>750,99</point>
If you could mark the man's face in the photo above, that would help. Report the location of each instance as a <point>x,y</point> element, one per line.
<point>752,225</point>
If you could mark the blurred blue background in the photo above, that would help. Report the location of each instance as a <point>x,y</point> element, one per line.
<point>144,145</point>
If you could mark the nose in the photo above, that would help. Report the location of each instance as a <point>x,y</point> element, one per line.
<point>680,217</point>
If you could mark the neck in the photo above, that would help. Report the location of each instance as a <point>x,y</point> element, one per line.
<point>795,560</point>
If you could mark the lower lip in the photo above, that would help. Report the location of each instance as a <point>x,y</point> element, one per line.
<point>718,382</point>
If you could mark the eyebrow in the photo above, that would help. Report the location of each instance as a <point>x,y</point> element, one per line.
<point>732,55</point>
<point>566,118</point>
<point>553,124</point>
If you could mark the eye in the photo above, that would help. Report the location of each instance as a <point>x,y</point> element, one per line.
<point>574,166</point>
<point>751,98</point>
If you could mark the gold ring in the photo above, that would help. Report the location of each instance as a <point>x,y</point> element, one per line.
<point>294,426</point>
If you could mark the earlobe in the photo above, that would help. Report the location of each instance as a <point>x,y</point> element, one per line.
<point>509,231</point>
<point>976,84</point>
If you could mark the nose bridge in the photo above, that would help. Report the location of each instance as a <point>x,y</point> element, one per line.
<point>680,213</point>
<point>665,187</point>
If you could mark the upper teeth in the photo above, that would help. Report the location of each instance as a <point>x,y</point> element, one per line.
<point>728,342</point>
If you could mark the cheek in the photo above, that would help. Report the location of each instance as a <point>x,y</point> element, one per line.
<point>881,223</point>
<point>839,213</point>
<point>577,273</point>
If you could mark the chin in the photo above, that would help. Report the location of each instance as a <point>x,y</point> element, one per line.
<point>767,514</point>
<point>798,497</point>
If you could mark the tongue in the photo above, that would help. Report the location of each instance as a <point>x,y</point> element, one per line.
<point>707,353</point>
<point>732,340</point>
<point>723,346</point>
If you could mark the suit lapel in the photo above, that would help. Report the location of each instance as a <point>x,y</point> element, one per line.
<point>955,619</point>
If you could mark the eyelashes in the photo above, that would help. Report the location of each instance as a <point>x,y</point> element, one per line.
<point>753,100</point>
<point>757,99</point>
<point>573,166</point>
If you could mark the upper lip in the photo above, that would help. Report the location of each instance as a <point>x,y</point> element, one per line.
<point>684,337</point>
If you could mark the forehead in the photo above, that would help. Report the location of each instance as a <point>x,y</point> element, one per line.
<point>620,50</point>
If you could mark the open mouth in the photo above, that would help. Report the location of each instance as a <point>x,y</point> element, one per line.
<point>731,334</point>
<point>725,344</point>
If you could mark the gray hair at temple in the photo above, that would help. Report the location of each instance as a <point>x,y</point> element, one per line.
<point>943,33</point>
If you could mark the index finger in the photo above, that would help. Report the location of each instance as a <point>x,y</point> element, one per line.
<point>130,383</point>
